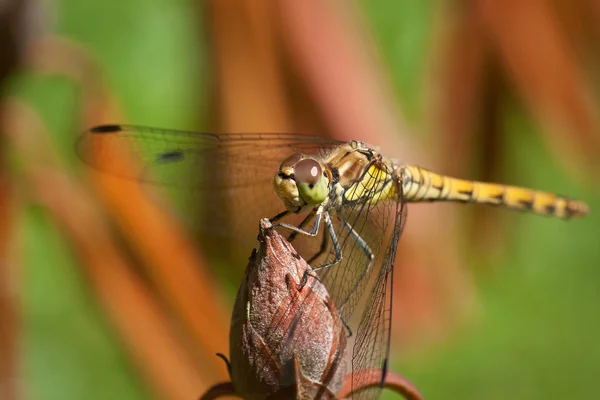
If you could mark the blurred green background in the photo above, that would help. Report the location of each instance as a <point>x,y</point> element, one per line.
<point>536,330</point>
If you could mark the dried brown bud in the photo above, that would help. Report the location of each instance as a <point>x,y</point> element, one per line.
<point>286,341</point>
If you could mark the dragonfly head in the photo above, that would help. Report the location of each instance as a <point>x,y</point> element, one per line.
<point>301,181</point>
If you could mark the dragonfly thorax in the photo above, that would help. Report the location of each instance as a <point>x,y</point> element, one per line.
<point>301,181</point>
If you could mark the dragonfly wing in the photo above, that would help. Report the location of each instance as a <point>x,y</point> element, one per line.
<point>228,175</point>
<point>370,353</point>
<point>367,233</point>
<point>360,229</point>
<point>155,155</point>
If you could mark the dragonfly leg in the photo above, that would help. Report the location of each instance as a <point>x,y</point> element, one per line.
<point>322,249</point>
<point>368,253</point>
<point>279,216</point>
<point>300,229</point>
<point>304,222</point>
<point>336,245</point>
<point>324,242</point>
<point>337,259</point>
<point>346,326</point>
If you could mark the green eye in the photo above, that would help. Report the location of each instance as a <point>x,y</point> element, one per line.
<point>311,183</point>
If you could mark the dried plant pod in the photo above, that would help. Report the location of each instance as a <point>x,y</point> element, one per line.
<point>286,341</point>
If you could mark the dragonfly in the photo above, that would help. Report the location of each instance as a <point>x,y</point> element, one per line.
<point>343,203</point>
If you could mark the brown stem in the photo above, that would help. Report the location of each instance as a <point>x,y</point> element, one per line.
<point>393,381</point>
<point>218,390</point>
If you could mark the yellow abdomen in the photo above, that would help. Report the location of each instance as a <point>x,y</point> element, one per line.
<point>422,185</point>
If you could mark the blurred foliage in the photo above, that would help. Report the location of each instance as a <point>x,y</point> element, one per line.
<point>71,352</point>
<point>536,326</point>
<point>403,37</point>
<point>536,333</point>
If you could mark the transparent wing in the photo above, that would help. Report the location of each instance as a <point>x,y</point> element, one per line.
<point>363,230</point>
<point>370,354</point>
<point>229,175</point>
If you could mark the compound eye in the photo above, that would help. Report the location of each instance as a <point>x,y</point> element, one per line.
<point>308,171</point>
<point>291,160</point>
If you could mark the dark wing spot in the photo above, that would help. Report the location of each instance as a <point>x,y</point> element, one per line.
<point>170,156</point>
<point>550,209</point>
<point>106,129</point>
